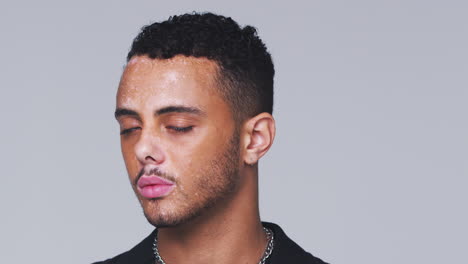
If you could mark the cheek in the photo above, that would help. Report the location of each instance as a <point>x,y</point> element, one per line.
<point>196,155</point>
<point>130,159</point>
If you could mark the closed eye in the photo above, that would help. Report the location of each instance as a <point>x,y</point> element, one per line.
<point>180,129</point>
<point>128,130</point>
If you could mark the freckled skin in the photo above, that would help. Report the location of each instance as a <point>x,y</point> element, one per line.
<point>203,162</point>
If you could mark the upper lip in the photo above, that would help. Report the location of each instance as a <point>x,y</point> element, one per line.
<point>152,180</point>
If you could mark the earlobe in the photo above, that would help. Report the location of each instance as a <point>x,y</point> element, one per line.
<point>259,137</point>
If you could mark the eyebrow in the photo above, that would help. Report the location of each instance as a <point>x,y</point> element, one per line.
<point>180,109</point>
<point>165,110</point>
<point>125,112</point>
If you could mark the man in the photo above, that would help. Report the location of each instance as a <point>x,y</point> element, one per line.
<point>194,107</point>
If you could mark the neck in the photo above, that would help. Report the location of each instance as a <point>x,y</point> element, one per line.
<point>230,232</point>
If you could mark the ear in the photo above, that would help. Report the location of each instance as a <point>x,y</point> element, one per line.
<point>258,134</point>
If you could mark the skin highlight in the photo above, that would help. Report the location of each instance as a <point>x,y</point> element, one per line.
<point>175,123</point>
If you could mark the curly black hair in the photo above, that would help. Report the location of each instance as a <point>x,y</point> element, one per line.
<point>246,69</point>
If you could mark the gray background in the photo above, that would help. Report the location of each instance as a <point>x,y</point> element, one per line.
<point>370,159</point>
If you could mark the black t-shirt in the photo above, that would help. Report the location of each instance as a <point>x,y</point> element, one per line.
<point>285,251</point>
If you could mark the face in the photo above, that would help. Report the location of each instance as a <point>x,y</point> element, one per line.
<point>178,138</point>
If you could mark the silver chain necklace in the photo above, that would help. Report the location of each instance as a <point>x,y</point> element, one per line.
<point>266,254</point>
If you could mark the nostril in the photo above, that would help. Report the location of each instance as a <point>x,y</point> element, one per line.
<point>150,158</point>
<point>148,149</point>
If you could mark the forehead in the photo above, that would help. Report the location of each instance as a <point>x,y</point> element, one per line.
<point>179,80</point>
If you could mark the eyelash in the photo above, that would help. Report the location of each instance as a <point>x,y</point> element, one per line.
<point>126,131</point>
<point>176,129</point>
<point>180,129</point>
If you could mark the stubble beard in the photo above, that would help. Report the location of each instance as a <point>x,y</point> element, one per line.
<point>219,183</point>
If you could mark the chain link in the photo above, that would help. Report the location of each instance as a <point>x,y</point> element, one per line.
<point>269,247</point>
<point>266,254</point>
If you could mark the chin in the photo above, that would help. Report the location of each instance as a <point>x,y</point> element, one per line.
<point>162,212</point>
<point>167,217</point>
<point>172,212</point>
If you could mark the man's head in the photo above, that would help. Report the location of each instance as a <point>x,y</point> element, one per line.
<point>245,69</point>
<point>194,106</point>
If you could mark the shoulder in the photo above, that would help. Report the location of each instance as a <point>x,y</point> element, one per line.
<point>141,253</point>
<point>113,260</point>
<point>286,250</point>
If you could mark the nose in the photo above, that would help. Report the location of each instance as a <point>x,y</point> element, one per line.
<point>148,148</point>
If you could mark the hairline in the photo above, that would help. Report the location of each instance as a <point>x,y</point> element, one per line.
<point>223,79</point>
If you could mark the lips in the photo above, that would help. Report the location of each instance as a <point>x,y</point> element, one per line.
<point>154,187</point>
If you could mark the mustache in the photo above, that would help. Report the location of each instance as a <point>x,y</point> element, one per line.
<point>156,172</point>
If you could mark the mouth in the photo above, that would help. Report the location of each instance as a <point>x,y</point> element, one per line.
<point>154,187</point>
